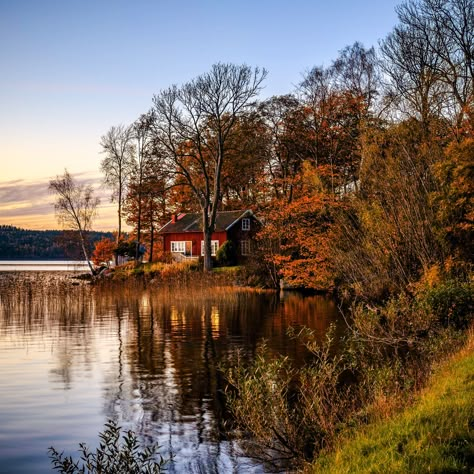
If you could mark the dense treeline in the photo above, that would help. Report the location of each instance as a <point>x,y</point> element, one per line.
<point>18,244</point>
<point>364,179</point>
<point>372,172</point>
<point>363,175</point>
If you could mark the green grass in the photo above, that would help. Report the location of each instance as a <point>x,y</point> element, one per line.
<point>233,269</point>
<point>434,434</point>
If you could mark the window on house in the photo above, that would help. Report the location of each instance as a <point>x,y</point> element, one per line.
<point>184,247</point>
<point>245,247</point>
<point>246,224</point>
<point>214,247</point>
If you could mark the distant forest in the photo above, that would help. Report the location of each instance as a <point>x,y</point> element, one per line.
<point>16,243</point>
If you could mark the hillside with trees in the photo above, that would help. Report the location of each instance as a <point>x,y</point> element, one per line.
<point>23,244</point>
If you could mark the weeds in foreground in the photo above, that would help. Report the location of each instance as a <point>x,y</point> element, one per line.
<point>112,456</point>
<point>293,414</point>
<point>290,413</point>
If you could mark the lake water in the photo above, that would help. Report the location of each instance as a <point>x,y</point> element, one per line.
<point>73,356</point>
<point>44,265</point>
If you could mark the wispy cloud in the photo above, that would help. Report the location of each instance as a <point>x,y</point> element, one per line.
<point>29,203</point>
<point>19,190</point>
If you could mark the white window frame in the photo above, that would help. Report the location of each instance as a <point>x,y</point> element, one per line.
<point>214,247</point>
<point>245,248</point>
<point>179,246</point>
<point>245,223</point>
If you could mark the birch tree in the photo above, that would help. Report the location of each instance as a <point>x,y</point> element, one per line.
<point>75,207</point>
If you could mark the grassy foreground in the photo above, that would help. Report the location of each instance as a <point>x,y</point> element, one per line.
<point>435,434</point>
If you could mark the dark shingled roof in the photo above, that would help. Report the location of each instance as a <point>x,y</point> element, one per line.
<point>192,222</point>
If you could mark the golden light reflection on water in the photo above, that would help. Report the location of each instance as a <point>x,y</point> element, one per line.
<point>211,321</point>
<point>72,355</point>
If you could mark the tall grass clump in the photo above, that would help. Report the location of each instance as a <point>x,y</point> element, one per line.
<point>164,274</point>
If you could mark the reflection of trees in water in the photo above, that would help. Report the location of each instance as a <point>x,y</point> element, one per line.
<point>173,390</point>
<point>162,351</point>
<point>296,310</point>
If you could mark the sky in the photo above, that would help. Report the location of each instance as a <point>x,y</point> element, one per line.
<point>71,69</point>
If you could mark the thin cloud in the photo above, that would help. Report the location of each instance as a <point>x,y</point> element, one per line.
<point>29,203</point>
<point>21,190</point>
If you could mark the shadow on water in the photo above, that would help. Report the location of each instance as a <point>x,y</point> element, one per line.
<point>149,358</point>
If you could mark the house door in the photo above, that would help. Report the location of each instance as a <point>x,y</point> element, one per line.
<point>188,249</point>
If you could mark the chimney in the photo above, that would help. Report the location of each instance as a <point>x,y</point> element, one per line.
<point>173,218</point>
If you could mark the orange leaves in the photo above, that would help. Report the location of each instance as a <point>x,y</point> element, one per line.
<point>301,232</point>
<point>103,252</point>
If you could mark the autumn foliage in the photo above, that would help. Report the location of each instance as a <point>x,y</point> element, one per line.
<point>361,183</point>
<point>103,252</point>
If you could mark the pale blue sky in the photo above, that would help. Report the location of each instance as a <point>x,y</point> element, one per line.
<point>70,69</point>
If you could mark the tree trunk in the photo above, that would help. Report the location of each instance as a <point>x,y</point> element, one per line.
<point>84,251</point>
<point>152,240</point>
<point>207,235</point>
<point>207,251</point>
<point>139,221</point>
<point>119,212</point>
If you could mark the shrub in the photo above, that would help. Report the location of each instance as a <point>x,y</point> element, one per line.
<point>227,254</point>
<point>291,413</point>
<point>452,303</point>
<point>126,248</point>
<point>111,456</point>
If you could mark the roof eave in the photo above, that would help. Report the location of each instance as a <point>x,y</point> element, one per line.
<point>238,219</point>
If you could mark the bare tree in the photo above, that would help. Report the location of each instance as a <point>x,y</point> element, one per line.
<point>356,70</point>
<point>117,164</point>
<point>412,81</point>
<point>288,140</point>
<point>192,128</point>
<point>446,29</point>
<point>75,207</point>
<point>142,135</point>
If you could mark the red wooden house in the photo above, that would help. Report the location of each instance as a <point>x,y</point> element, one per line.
<point>183,234</point>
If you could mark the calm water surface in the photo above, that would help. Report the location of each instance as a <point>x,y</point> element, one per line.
<point>73,356</point>
<point>44,265</point>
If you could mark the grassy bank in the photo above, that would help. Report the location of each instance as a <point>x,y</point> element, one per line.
<point>171,273</point>
<point>435,434</point>
<point>184,273</point>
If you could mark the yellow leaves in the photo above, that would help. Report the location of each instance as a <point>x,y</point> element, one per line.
<point>311,179</point>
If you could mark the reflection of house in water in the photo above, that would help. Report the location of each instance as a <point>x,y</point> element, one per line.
<point>169,388</point>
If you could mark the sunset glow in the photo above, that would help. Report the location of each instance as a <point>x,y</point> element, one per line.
<point>70,71</point>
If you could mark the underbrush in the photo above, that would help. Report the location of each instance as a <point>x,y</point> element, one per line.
<point>159,273</point>
<point>435,434</point>
<point>293,414</point>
